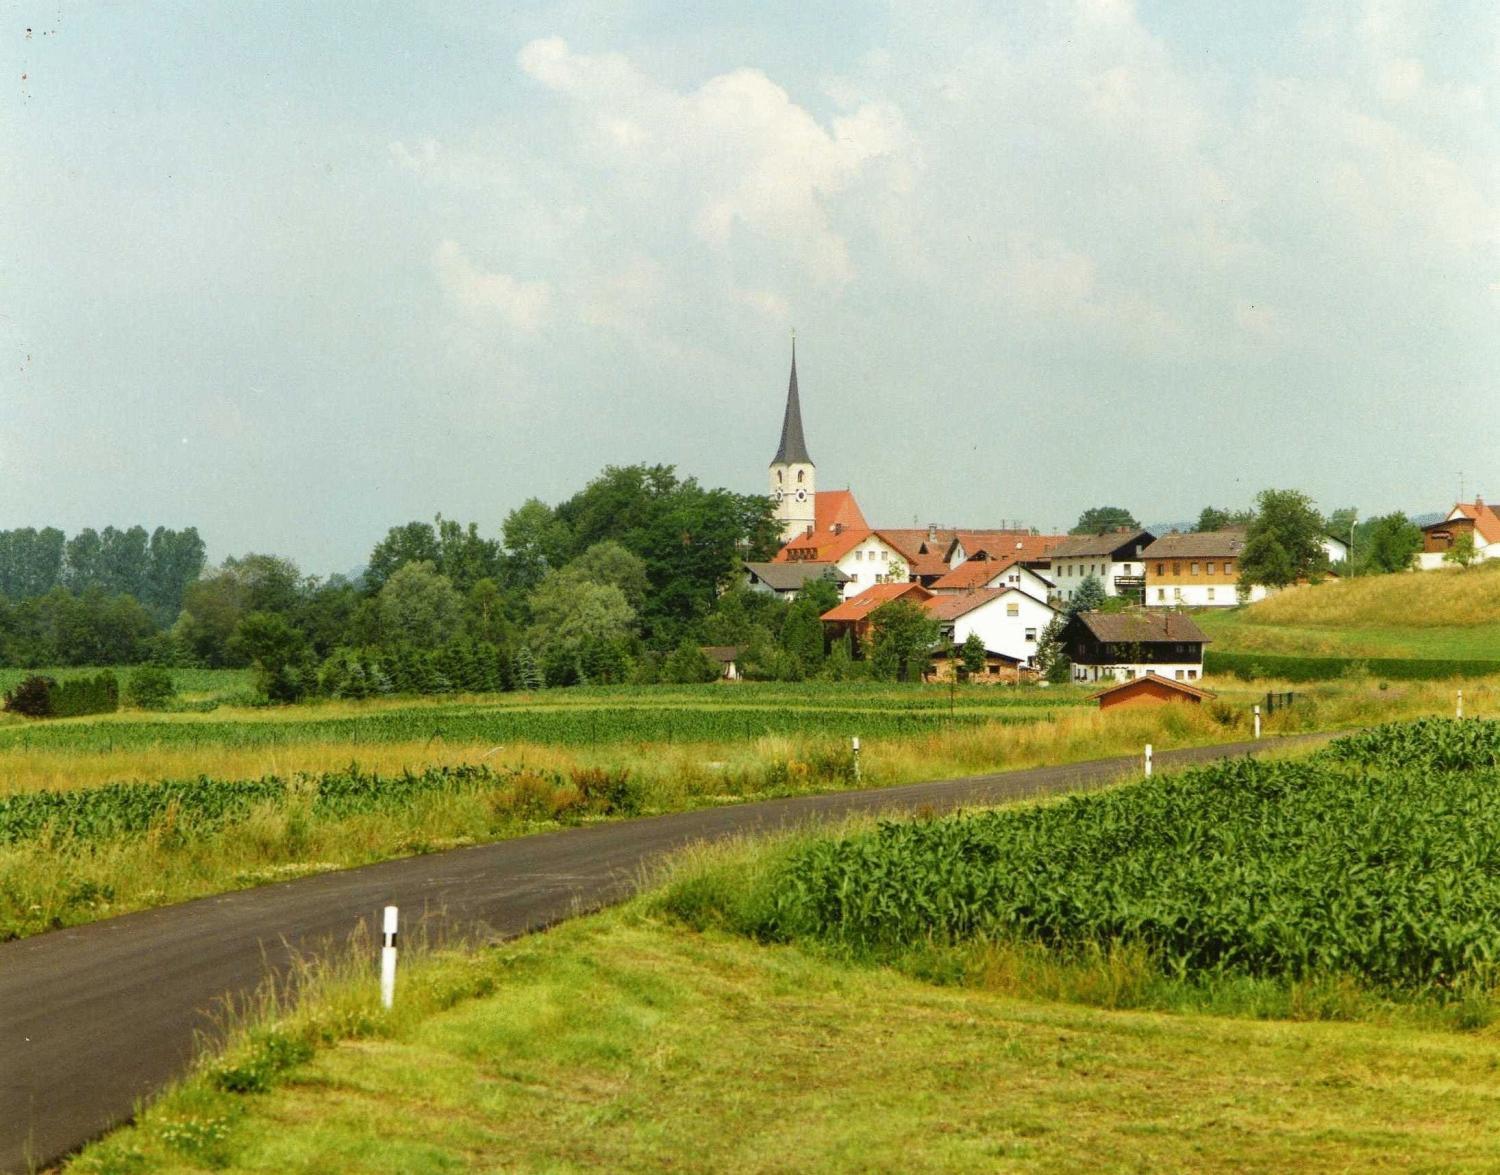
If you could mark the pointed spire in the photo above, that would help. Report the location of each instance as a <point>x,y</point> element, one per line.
<point>793,447</point>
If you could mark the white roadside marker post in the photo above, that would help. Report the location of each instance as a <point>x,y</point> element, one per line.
<point>1257,721</point>
<point>856,758</point>
<point>1460,703</point>
<point>388,959</point>
<point>1148,760</point>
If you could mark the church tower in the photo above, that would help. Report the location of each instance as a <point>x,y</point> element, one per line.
<point>792,470</point>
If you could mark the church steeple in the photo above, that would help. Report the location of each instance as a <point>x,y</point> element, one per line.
<point>793,489</point>
<point>793,445</point>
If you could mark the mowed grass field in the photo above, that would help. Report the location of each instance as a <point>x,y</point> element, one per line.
<point>1441,614</point>
<point>623,1042</point>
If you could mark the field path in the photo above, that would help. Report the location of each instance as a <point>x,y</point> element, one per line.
<point>96,1017</point>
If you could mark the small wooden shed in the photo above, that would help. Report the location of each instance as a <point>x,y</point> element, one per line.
<point>1149,689</point>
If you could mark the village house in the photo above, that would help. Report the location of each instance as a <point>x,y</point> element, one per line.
<point>1121,646</point>
<point>1476,518</point>
<point>1196,570</point>
<point>785,580</point>
<point>852,617</point>
<point>1115,559</point>
<point>1006,620</point>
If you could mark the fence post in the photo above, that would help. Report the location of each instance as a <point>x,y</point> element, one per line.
<point>388,958</point>
<point>1148,760</point>
<point>1460,703</point>
<point>1257,721</point>
<point>856,758</point>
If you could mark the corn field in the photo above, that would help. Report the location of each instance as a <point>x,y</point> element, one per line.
<point>1378,858</point>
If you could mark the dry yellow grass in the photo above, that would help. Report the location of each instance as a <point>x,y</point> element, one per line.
<point>1446,598</point>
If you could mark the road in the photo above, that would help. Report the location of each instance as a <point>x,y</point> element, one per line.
<point>96,1017</point>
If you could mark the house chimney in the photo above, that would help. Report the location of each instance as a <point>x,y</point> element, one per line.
<point>932,532</point>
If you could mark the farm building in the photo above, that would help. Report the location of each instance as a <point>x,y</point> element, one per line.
<point>998,667</point>
<point>1150,690</point>
<point>1125,645</point>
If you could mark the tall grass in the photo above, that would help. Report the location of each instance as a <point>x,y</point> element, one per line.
<point>1446,598</point>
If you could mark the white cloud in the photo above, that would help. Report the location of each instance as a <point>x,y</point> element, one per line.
<point>523,305</point>
<point>738,152</point>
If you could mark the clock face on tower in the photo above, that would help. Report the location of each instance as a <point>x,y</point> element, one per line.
<point>779,495</point>
<point>801,495</point>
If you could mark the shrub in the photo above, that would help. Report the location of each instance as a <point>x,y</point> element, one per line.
<point>32,697</point>
<point>151,688</point>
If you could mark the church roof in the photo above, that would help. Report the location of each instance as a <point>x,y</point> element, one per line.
<point>793,447</point>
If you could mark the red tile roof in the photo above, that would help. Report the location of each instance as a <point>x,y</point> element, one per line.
<point>860,606</point>
<point>972,573</point>
<point>838,527</point>
<point>837,506</point>
<point>950,607</point>
<point>1008,544</point>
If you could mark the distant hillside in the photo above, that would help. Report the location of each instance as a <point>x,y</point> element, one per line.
<point>1447,613</point>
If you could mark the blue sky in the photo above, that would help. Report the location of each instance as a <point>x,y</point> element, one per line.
<point>297,273</point>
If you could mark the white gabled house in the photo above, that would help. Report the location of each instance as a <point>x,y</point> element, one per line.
<point>1007,620</point>
<point>1115,559</point>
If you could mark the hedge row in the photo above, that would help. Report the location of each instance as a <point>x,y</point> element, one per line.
<point>46,697</point>
<point>1248,666</point>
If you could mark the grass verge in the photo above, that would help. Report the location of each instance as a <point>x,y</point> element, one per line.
<point>626,1042</point>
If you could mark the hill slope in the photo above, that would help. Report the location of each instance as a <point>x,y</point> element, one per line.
<point>1445,614</point>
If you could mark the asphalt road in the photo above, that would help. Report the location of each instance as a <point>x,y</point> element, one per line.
<point>95,1018</point>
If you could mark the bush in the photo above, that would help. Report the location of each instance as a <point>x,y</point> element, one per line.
<point>151,688</point>
<point>32,697</point>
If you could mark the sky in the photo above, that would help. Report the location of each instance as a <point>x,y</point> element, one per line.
<point>295,274</point>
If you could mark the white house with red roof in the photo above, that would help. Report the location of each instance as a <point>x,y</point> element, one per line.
<point>1008,620</point>
<point>1477,518</point>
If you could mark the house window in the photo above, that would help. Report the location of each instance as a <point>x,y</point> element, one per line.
<point>885,556</point>
<point>1010,610</point>
<point>858,555</point>
<point>1161,569</point>
<point>1177,594</point>
<point>1177,567</point>
<point>1210,568</point>
<point>1210,595</point>
<point>1177,675</point>
<point>1195,569</point>
<point>1161,595</point>
<point>1129,674</point>
<point>1192,675</point>
<point>801,473</point>
<point>1031,635</point>
<point>1228,567</point>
